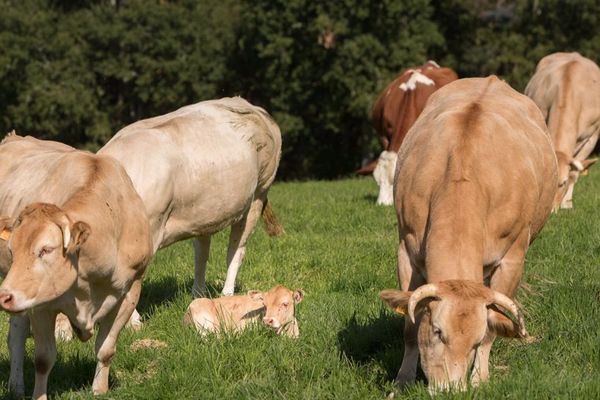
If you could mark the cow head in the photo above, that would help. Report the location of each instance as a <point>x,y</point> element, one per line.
<point>455,317</point>
<point>44,245</point>
<point>569,170</point>
<point>280,304</point>
<point>384,176</point>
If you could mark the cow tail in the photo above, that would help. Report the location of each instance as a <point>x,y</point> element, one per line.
<point>272,225</point>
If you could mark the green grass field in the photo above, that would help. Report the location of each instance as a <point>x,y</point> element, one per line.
<point>340,248</point>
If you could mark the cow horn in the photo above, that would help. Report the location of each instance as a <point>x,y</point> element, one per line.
<point>423,292</point>
<point>66,236</point>
<point>576,164</point>
<point>506,303</point>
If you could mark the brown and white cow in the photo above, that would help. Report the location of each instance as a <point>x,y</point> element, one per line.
<point>201,169</point>
<point>474,185</point>
<point>566,88</point>
<point>395,111</point>
<point>83,256</point>
<point>276,308</point>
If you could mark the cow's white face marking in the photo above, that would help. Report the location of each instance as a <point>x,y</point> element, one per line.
<point>416,77</point>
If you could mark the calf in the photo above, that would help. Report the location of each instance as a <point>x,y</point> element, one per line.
<point>473,187</point>
<point>234,313</point>
<point>84,257</point>
<point>566,88</point>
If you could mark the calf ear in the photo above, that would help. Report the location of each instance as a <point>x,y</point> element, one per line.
<point>298,295</point>
<point>6,224</point>
<point>396,299</point>
<point>78,234</point>
<point>256,295</point>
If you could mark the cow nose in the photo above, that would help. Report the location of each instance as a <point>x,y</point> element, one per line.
<point>6,301</point>
<point>268,321</point>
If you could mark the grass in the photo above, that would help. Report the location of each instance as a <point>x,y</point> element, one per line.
<point>340,248</point>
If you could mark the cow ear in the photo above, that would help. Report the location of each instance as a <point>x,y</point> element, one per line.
<point>75,236</point>
<point>298,295</point>
<point>256,295</point>
<point>6,226</point>
<point>502,325</point>
<point>587,164</point>
<point>396,299</point>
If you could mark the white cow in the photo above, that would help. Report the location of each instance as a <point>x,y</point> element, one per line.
<point>201,169</point>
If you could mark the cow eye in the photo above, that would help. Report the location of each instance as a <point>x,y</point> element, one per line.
<point>437,332</point>
<point>45,250</point>
<point>563,183</point>
<point>285,304</point>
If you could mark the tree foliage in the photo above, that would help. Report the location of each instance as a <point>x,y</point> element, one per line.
<point>77,71</point>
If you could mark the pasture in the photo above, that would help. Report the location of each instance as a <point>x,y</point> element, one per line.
<point>341,249</point>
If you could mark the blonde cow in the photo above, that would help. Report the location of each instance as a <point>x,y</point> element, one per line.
<point>276,308</point>
<point>474,185</point>
<point>84,255</point>
<point>566,88</point>
<point>201,169</point>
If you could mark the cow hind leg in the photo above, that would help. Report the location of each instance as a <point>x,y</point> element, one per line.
<point>505,280</point>
<point>201,251</point>
<point>240,232</point>
<point>108,333</point>
<point>17,335</point>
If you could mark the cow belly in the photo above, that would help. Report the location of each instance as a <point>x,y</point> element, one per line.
<point>217,199</point>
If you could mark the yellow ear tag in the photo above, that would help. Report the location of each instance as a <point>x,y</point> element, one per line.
<point>400,310</point>
<point>5,234</point>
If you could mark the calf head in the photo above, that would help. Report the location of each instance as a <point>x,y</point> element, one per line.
<point>280,304</point>
<point>44,246</point>
<point>384,176</point>
<point>569,170</point>
<point>455,317</point>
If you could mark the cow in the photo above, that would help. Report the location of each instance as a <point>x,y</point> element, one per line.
<point>201,169</point>
<point>474,185</point>
<point>395,111</point>
<point>566,88</point>
<point>84,255</point>
<point>276,308</point>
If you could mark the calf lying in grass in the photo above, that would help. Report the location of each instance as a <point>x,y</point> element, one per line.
<point>234,313</point>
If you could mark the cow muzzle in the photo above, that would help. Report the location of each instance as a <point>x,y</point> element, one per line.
<point>7,301</point>
<point>271,323</point>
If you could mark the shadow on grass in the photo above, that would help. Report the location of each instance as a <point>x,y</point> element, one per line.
<point>166,289</point>
<point>74,374</point>
<point>378,340</point>
<point>370,198</point>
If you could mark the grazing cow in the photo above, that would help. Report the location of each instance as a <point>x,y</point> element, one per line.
<point>234,313</point>
<point>395,111</point>
<point>566,88</point>
<point>474,185</point>
<point>201,169</point>
<point>83,256</point>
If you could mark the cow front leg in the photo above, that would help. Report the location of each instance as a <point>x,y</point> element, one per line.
<point>409,280</point>
<point>240,232</point>
<point>201,251</point>
<point>42,325</point>
<point>18,332</point>
<point>108,333</point>
<point>505,280</point>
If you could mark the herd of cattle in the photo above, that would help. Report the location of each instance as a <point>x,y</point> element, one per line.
<point>474,169</point>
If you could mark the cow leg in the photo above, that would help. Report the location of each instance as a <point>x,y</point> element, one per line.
<point>409,280</point>
<point>108,333</point>
<point>240,232</point>
<point>505,280</point>
<point>201,251</point>
<point>17,335</point>
<point>42,325</point>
